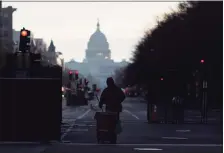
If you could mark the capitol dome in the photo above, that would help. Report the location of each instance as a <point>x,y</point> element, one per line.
<point>98,40</point>
<point>98,47</point>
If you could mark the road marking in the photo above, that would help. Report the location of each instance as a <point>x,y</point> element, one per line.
<point>66,141</point>
<point>176,138</point>
<point>73,124</point>
<point>147,149</point>
<point>154,145</point>
<point>88,121</point>
<point>131,114</point>
<point>79,130</point>
<point>183,130</point>
<point>80,125</point>
<point>84,114</point>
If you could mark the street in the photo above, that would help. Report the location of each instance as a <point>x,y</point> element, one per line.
<point>79,127</point>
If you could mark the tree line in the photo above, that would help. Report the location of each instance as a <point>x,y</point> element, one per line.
<point>182,49</point>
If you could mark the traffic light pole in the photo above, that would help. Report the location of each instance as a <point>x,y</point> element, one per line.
<point>23,65</point>
<point>204,95</point>
<point>204,102</point>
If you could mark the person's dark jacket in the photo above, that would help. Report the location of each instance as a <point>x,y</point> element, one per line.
<point>112,97</point>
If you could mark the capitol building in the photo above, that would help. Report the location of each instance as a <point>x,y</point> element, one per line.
<point>97,64</point>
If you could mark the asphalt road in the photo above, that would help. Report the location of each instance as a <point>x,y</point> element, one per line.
<point>81,128</point>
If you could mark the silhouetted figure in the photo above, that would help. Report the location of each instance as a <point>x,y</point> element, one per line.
<point>178,111</point>
<point>112,97</point>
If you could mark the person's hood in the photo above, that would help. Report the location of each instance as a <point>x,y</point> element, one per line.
<point>110,82</point>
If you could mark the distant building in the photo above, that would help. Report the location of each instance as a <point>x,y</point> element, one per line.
<point>40,45</point>
<point>16,37</point>
<point>51,54</point>
<point>97,63</point>
<point>1,28</point>
<point>7,31</point>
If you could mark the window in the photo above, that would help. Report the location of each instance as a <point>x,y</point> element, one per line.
<point>6,34</point>
<point>1,34</point>
<point>5,22</point>
<point>6,15</point>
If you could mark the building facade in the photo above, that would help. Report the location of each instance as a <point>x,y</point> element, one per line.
<point>1,35</point>
<point>97,62</point>
<point>40,45</point>
<point>1,25</point>
<point>51,54</point>
<point>7,31</point>
<point>16,38</point>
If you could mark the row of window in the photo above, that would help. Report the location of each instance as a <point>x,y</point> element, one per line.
<point>5,15</point>
<point>4,34</point>
<point>4,22</point>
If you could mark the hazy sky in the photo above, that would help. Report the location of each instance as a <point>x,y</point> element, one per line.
<point>70,24</point>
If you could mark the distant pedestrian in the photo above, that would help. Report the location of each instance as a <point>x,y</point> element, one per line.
<point>178,111</point>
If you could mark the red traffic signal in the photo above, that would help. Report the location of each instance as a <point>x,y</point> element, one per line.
<point>202,61</point>
<point>70,75</point>
<point>24,42</point>
<point>161,79</point>
<point>24,33</point>
<point>76,75</point>
<point>76,72</point>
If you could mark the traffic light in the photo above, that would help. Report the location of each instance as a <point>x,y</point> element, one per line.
<point>70,74</point>
<point>202,61</point>
<point>80,81</point>
<point>76,75</point>
<point>161,79</point>
<point>94,87</point>
<point>24,43</point>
